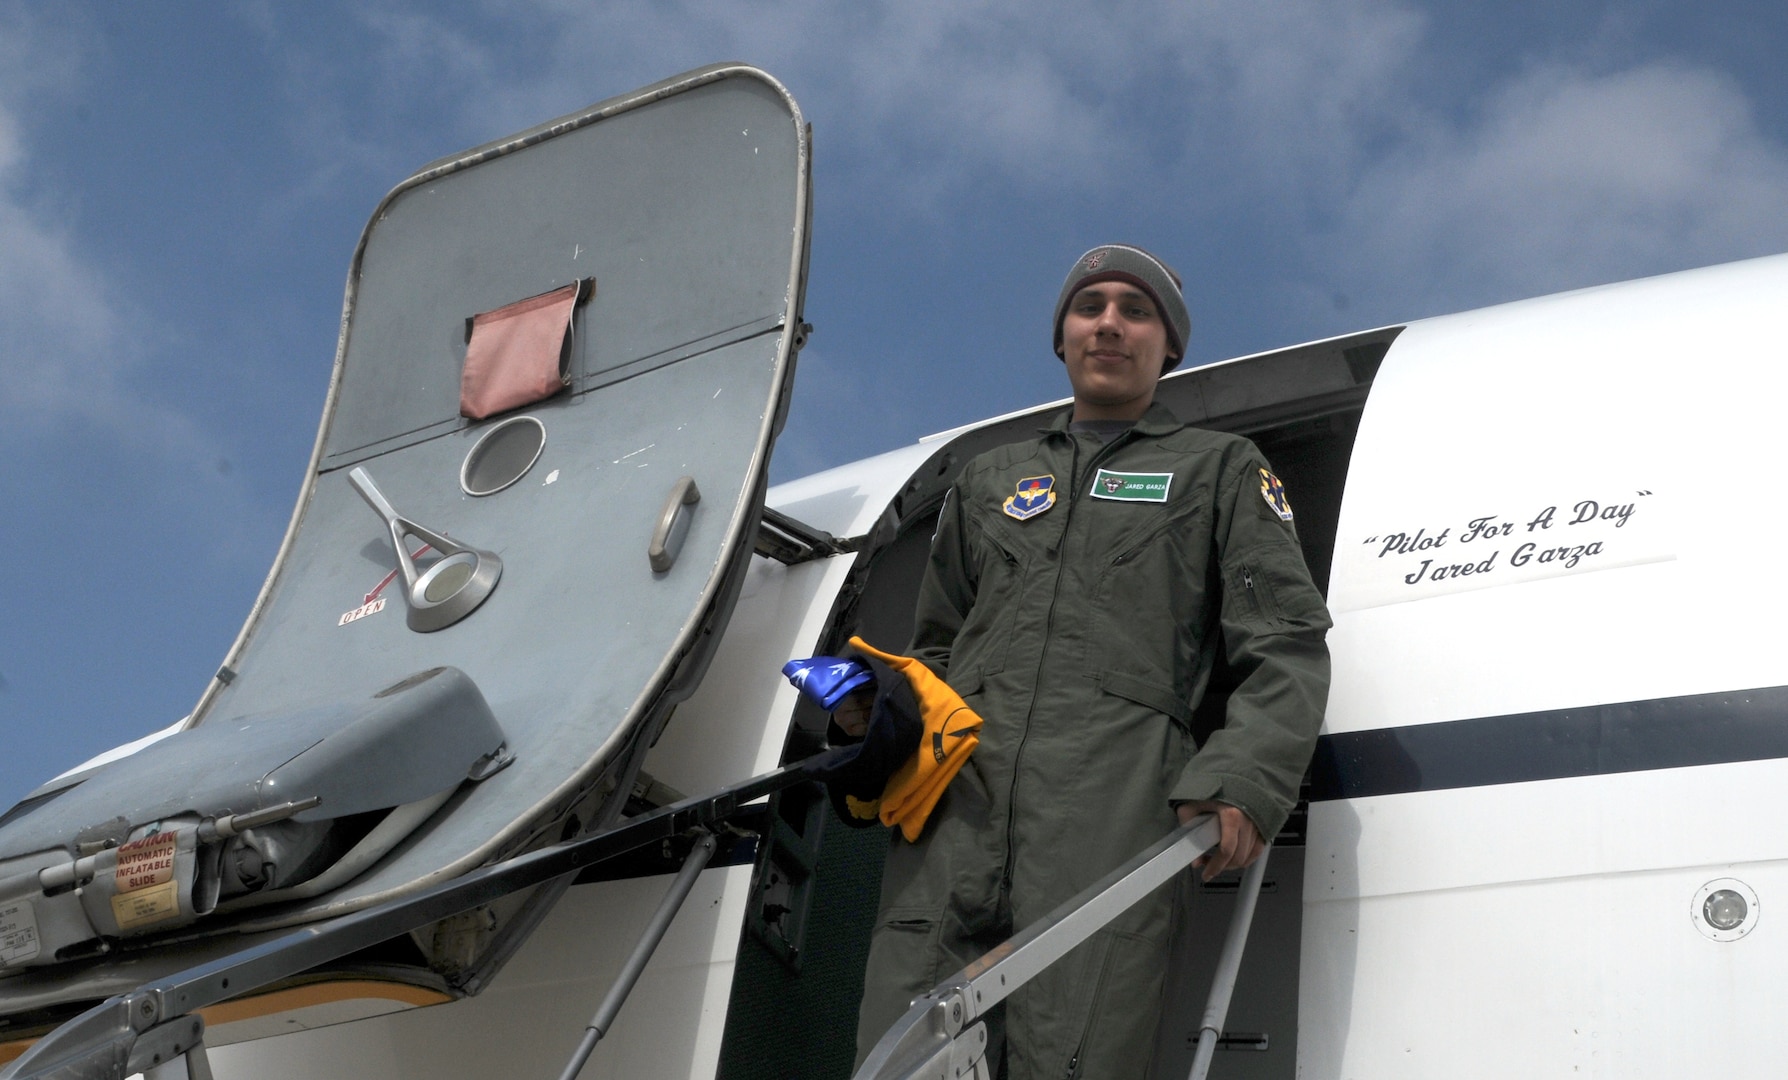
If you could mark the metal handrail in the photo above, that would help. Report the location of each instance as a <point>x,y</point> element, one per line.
<point>642,953</point>
<point>1229,965</point>
<point>941,1037</point>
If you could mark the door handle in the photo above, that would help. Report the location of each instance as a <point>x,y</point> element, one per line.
<point>673,524</point>
<point>449,590</point>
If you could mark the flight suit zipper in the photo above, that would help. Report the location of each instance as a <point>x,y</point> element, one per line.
<point>1055,593</point>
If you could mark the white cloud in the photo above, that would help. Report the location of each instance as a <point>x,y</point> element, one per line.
<point>1568,179</point>
<point>943,87</point>
<point>53,318</point>
<point>920,102</point>
<point>64,353</point>
<point>416,43</point>
<point>1331,128</point>
<point>1289,96</point>
<point>56,325</point>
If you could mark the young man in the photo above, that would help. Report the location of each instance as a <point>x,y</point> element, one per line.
<point>1081,588</point>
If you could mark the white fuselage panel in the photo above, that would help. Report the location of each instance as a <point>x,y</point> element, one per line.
<point>1459,924</point>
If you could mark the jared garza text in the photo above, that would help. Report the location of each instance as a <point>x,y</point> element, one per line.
<point>1485,530</point>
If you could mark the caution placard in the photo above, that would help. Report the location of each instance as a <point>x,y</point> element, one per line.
<point>143,863</point>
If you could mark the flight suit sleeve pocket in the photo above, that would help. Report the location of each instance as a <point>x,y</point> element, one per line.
<point>1269,588</point>
<point>1245,598</point>
<point>1145,693</point>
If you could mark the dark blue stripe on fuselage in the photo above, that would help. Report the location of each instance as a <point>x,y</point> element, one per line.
<point>1595,740</point>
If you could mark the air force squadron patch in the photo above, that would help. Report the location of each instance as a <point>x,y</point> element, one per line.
<point>1274,493</point>
<point>1035,494</point>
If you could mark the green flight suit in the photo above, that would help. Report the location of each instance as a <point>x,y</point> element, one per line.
<point>1084,632</point>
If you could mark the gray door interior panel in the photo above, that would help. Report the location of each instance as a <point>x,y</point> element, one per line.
<point>687,202</point>
<point>680,209</point>
<point>570,641</point>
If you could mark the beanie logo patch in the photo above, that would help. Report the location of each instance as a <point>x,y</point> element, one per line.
<point>1096,259</point>
<point>1035,494</point>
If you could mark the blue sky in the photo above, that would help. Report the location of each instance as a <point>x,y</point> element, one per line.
<point>182,185</point>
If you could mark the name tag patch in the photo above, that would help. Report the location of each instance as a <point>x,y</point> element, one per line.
<point>1132,486</point>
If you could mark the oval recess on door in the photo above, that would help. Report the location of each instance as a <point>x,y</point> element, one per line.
<point>503,455</point>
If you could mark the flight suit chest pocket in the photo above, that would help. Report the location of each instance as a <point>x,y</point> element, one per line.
<point>982,643</point>
<point>1152,595</point>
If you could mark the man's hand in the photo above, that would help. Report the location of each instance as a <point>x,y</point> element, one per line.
<point>1240,844</point>
<point>852,714</point>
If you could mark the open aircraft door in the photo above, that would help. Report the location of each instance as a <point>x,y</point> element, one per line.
<point>467,707</point>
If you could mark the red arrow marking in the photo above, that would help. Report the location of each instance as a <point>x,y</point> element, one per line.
<point>387,579</point>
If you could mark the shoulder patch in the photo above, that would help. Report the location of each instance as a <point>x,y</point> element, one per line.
<point>1035,494</point>
<point>1274,493</point>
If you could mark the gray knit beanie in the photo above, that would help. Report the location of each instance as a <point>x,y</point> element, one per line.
<point>1123,262</point>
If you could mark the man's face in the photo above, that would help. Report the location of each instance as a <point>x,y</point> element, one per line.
<point>1115,345</point>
